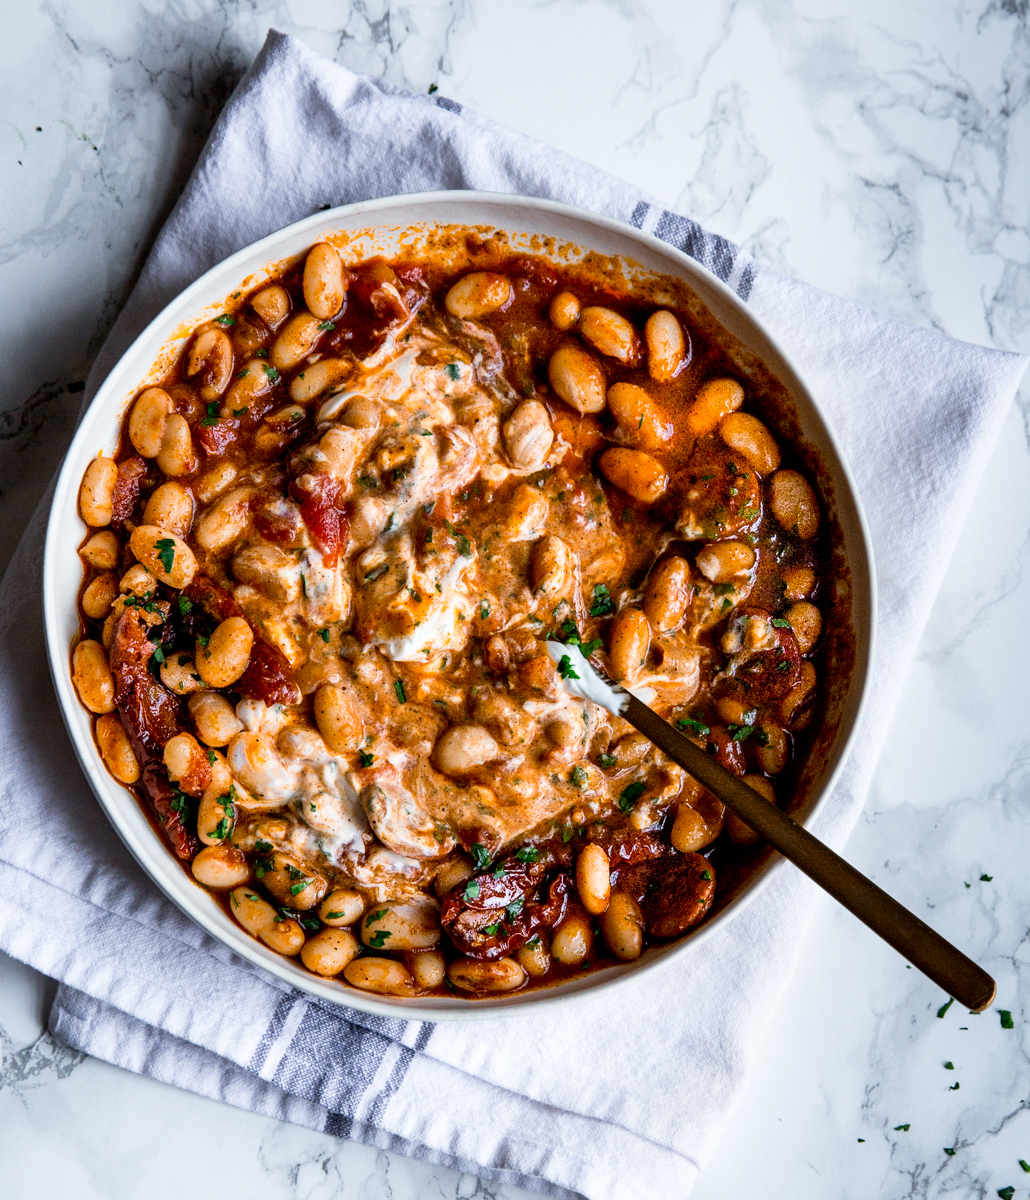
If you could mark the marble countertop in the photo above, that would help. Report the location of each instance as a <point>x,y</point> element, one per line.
<point>878,150</point>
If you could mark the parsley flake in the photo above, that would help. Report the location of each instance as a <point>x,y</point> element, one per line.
<point>225,320</point>
<point>398,687</point>
<point>327,326</point>
<point>782,623</point>
<point>166,552</point>
<point>949,1150</point>
<point>606,760</point>
<point>492,930</point>
<point>986,878</point>
<point>528,854</point>
<point>365,758</point>
<point>472,890</point>
<point>579,777</point>
<point>902,1128</point>
<point>324,635</point>
<point>1006,1193</point>
<point>453,370</point>
<point>271,372</point>
<point>695,726</point>
<point>480,855</point>
<point>944,1007</point>
<point>565,668</point>
<point>1006,1018</point>
<point>631,794</point>
<point>706,875</point>
<point>602,604</point>
<point>464,546</point>
<point>378,939</point>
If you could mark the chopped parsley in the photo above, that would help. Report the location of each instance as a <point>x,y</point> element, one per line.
<point>180,804</point>
<point>212,415</point>
<point>528,854</point>
<point>378,939</point>
<point>365,758</point>
<point>334,916</point>
<point>225,320</point>
<point>1006,1018</point>
<point>1025,1165</point>
<point>579,777</point>
<point>324,635</point>
<point>606,760</point>
<point>944,1007</point>
<point>472,890</point>
<point>565,668</point>
<point>453,370</point>
<point>949,1150</point>
<point>631,794</point>
<point>368,481</point>
<point>782,623</point>
<point>327,326</point>
<point>480,855</point>
<point>398,687</point>
<point>1006,1193</point>
<point>377,572</point>
<point>695,726</point>
<point>602,604</point>
<point>166,552</point>
<point>484,611</point>
<point>262,847</point>
<point>159,654</point>
<point>724,589</point>
<point>986,878</point>
<point>514,908</point>
<point>706,875</point>
<point>954,1087</point>
<point>464,546</point>
<point>949,1066</point>
<point>271,372</point>
<point>902,1128</point>
<point>492,930</point>
<point>533,942</point>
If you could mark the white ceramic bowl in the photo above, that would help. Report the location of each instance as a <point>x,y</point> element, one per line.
<point>388,224</point>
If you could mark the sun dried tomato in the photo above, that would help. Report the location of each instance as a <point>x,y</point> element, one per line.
<point>127,487</point>
<point>215,437</point>
<point>277,518</point>
<point>674,891</point>
<point>150,712</point>
<point>497,911</point>
<point>268,676</point>
<point>321,507</point>
<point>170,805</point>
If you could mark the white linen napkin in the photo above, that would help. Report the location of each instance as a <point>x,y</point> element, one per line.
<point>612,1098</point>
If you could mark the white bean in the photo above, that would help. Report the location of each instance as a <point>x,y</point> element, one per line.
<point>623,927</point>
<point>101,550</point>
<point>171,507</point>
<point>428,967</point>
<point>272,305</point>
<point>227,653</point>
<point>298,338</point>
<point>463,748</point>
<point>92,677</point>
<point>383,975</point>
<point>329,951</point>
<point>147,421</point>
<point>176,456</point>
<point>342,906</point>
<point>478,294</point>
<point>211,354</point>
<point>220,867</point>
<point>474,975</point>
<point>324,281</point>
<point>116,749</point>
<point>666,348</point>
<point>593,878</point>
<point>610,332</point>
<point>528,435</point>
<point>573,939</point>
<point>164,555</point>
<point>213,716</point>
<point>96,493</point>
<point>338,717</point>
<point>396,925</point>
<point>578,378</point>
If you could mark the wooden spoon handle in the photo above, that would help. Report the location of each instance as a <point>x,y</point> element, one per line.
<point>938,959</point>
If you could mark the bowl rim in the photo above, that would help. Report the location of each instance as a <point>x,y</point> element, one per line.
<point>149,849</point>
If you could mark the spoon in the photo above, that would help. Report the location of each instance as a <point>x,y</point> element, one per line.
<point>925,949</point>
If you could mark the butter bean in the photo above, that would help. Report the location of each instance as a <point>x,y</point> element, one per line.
<point>147,421</point>
<point>176,456</point>
<point>714,401</point>
<point>328,951</point>
<point>164,555</point>
<point>723,561</point>
<point>211,357</point>
<point>807,622</point>
<point>342,906</point>
<point>171,507</point>
<point>428,967</point>
<point>96,493</point>
<point>573,939</point>
<point>220,867</point>
<point>385,976</point>
<point>101,550</point>
<point>749,437</point>
<point>593,878</point>
<point>474,975</point>
<point>638,416</point>
<point>528,435</point>
<point>623,927</point>
<point>739,833</point>
<point>629,639</point>
<point>338,717</point>
<point>324,282</point>
<point>227,653</point>
<point>610,333</point>
<point>92,677</point>
<point>99,595</point>
<point>636,473</point>
<point>116,749</point>
<point>564,311</point>
<point>214,718</point>
<point>793,504</point>
<point>272,305</point>
<point>578,378</point>
<point>667,594</point>
<point>666,346</point>
<point>478,294</point>
<point>298,338</point>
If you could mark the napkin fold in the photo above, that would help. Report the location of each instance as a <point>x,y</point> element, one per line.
<point>619,1097</point>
